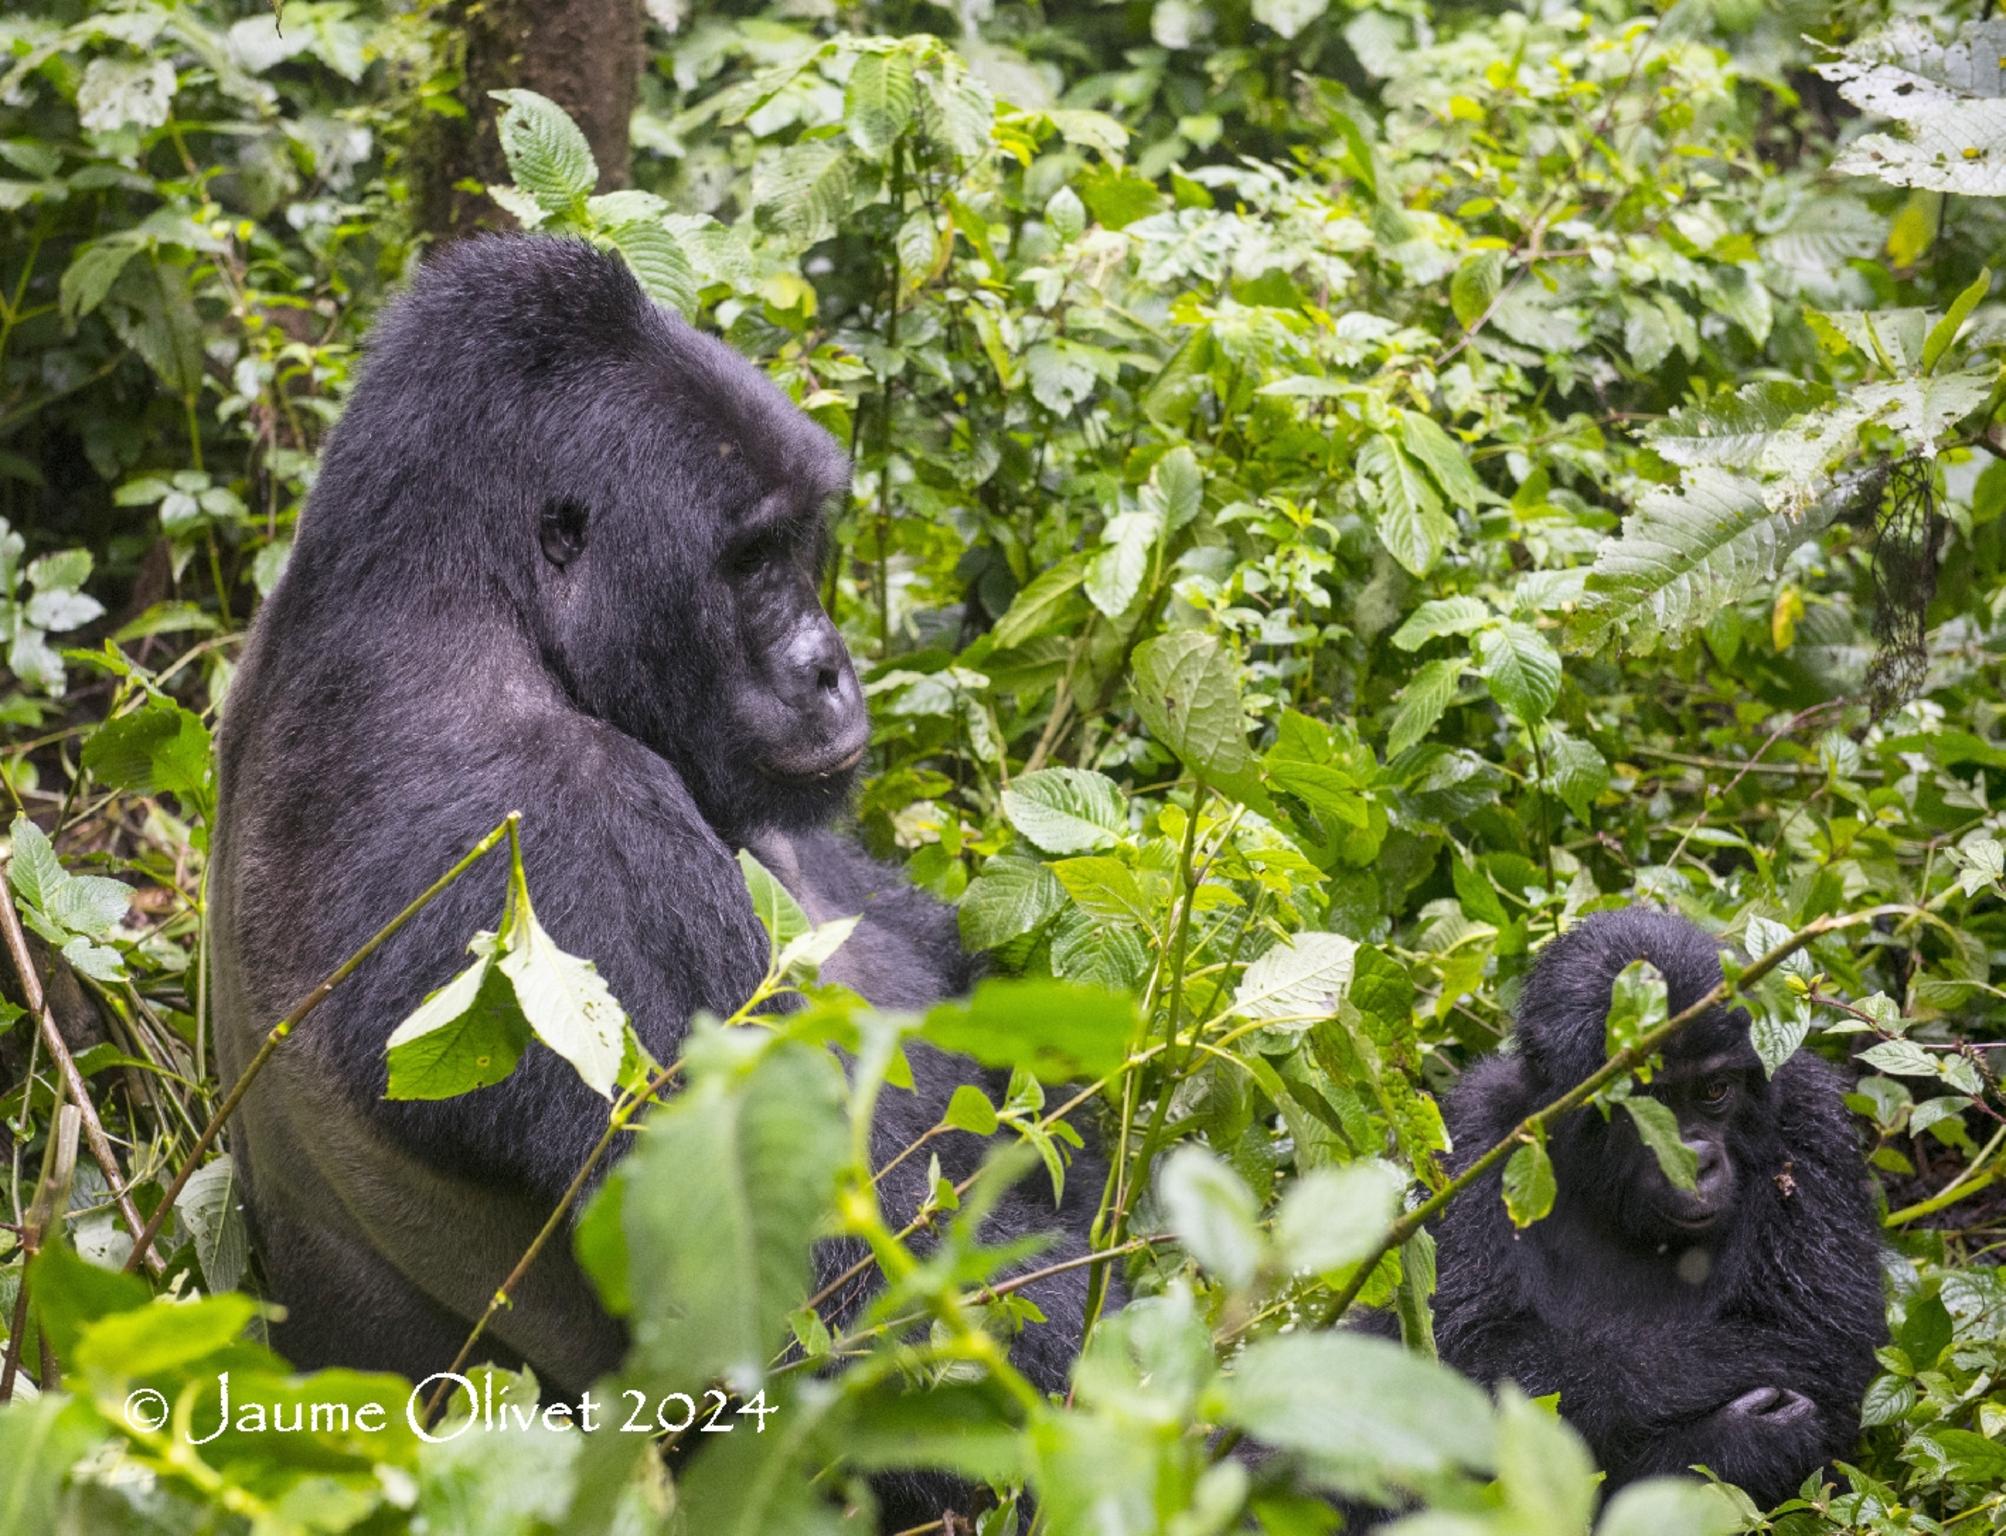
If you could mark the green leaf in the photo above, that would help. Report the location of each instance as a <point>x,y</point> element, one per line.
<point>1686,554</point>
<point>1945,99</point>
<point>1944,332</point>
<point>1214,1215</point>
<point>1303,979</point>
<point>1044,605</point>
<point>1544,1471</point>
<point>1658,1127</point>
<point>1410,522</point>
<point>1366,1414</point>
<point>158,748</point>
<point>1187,692</point>
<point>878,102</point>
<point>715,1264</point>
<point>565,1000</point>
<point>1052,1029</point>
<point>1119,567</point>
<point>1289,17</point>
<point>1670,1506</point>
<point>90,274</point>
<point>546,151</point>
<point>1011,897</point>
<point>210,1206</point>
<point>162,1337</point>
<point>1428,693</point>
<point>1067,810</point>
<point>778,912</point>
<point>41,1440</point>
<point>970,1110</point>
<point>1475,285</point>
<point>1521,670</point>
<point>659,261</point>
<point>469,1033</point>
<point>1444,459</point>
<point>1903,1058</point>
<point>1442,616</point>
<point>1529,1185</point>
<point>1332,1217</point>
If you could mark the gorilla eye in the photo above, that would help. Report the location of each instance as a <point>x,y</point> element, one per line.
<point>1716,1091</point>
<point>562,531</point>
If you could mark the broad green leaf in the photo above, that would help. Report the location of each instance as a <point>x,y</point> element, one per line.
<point>162,1337</point>
<point>1302,979</point>
<point>1187,692</point>
<point>1366,1414</point>
<point>1944,96</point>
<point>1529,1185</point>
<point>1043,605</point>
<point>547,153</point>
<point>715,1264</point>
<point>659,261</point>
<point>1445,461</point>
<point>41,1440</point>
<point>1428,693</point>
<point>1521,670</point>
<point>1685,554</point>
<point>1733,430</point>
<point>1544,1471</point>
<point>158,748</point>
<point>1331,1217</point>
<point>469,1033</point>
<point>1288,17</point>
<point>1120,566</point>
<point>1053,1029</point>
<point>1067,810</point>
<point>970,1110</point>
<point>1903,1058</point>
<point>1442,616</point>
<point>1214,1215</point>
<point>1475,285</point>
<point>878,102</point>
<point>565,1000</point>
<point>1669,1506</point>
<point>779,913</point>
<point>210,1206</point>
<point>1011,897</point>
<point>1410,519</point>
<point>1658,1128</point>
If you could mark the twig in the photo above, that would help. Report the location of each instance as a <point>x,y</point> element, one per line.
<point>66,1068</point>
<point>52,1196</point>
<point>615,1123</point>
<point>1621,1064</point>
<point>275,1036</point>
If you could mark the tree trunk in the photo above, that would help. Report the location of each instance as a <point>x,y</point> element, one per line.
<point>585,55</point>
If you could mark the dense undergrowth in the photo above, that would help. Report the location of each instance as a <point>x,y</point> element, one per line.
<point>1342,491</point>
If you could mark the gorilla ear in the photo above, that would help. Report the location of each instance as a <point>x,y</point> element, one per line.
<point>563,531</point>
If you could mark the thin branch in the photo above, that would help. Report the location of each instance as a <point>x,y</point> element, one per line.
<point>52,1197</point>
<point>275,1036</point>
<point>66,1067</point>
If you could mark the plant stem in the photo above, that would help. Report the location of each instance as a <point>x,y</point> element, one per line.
<point>143,1244</point>
<point>66,1068</point>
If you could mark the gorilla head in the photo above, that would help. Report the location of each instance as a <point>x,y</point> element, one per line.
<point>619,463</point>
<point>1710,1079</point>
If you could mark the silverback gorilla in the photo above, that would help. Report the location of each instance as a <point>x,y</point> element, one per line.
<point>1733,1325</point>
<point>562,556</point>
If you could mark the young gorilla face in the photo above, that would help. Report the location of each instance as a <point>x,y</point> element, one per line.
<point>1721,1102</point>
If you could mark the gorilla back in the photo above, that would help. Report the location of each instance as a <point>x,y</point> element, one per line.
<point>562,557</point>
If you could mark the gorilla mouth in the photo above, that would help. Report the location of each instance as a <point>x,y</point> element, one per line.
<point>815,773</point>
<point>1695,1222</point>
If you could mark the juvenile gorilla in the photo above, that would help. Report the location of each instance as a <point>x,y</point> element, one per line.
<point>1732,1325</point>
<point>562,556</point>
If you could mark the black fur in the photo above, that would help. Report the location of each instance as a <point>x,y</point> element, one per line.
<point>561,558</point>
<point>1744,1344</point>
